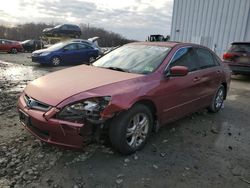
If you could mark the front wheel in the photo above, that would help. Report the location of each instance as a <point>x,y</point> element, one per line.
<point>130,130</point>
<point>218,100</point>
<point>55,61</point>
<point>13,50</point>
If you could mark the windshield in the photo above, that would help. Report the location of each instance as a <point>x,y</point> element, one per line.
<point>58,26</point>
<point>141,59</point>
<point>56,46</point>
<point>26,41</point>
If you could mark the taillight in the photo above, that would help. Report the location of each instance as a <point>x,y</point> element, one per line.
<point>228,56</point>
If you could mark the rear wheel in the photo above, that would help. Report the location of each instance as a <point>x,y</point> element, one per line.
<point>55,61</point>
<point>218,100</point>
<point>13,51</point>
<point>130,130</point>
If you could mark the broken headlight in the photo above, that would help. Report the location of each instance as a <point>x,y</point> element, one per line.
<point>89,109</point>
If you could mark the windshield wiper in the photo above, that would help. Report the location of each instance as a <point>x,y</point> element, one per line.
<point>117,69</point>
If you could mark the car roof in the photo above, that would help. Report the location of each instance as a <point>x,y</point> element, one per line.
<point>8,40</point>
<point>240,43</point>
<point>170,44</point>
<point>74,42</point>
<point>167,44</point>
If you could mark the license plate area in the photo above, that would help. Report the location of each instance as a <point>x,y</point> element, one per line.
<point>24,118</point>
<point>244,60</point>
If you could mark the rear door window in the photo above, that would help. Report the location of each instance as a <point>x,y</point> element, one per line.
<point>71,47</point>
<point>205,58</point>
<point>83,46</point>
<point>185,57</point>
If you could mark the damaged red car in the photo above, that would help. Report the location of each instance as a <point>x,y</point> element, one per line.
<point>127,93</point>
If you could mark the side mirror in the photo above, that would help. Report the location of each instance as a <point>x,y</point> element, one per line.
<point>177,71</point>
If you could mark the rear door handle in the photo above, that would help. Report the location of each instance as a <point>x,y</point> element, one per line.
<point>196,79</point>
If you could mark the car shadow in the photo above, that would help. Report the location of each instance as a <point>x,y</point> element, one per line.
<point>242,78</point>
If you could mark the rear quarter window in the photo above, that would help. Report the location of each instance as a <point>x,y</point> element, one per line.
<point>205,58</point>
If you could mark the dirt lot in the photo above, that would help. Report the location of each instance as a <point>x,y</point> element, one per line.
<point>201,150</point>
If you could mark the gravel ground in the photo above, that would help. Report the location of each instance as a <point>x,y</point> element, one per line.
<point>201,150</point>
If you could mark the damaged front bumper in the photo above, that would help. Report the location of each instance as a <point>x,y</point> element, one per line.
<point>53,131</point>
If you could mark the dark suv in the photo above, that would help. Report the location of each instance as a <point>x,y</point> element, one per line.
<point>238,58</point>
<point>63,30</point>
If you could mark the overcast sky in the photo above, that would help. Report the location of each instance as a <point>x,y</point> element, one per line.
<point>134,19</point>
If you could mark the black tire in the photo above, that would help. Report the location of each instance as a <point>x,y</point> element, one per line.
<point>13,50</point>
<point>55,61</point>
<point>120,129</point>
<point>218,100</point>
<point>91,60</point>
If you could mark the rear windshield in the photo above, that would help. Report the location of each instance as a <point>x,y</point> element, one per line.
<point>240,48</point>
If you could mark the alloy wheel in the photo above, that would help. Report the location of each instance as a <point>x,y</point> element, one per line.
<point>14,50</point>
<point>137,130</point>
<point>219,99</point>
<point>56,61</point>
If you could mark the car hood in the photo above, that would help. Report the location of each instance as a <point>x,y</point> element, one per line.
<point>47,29</point>
<point>41,51</point>
<point>58,86</point>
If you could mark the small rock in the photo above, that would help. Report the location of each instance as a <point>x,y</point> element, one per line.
<point>230,147</point>
<point>17,161</point>
<point>238,171</point>
<point>120,175</point>
<point>40,156</point>
<point>119,181</point>
<point>155,166</point>
<point>154,149</point>
<point>230,134</point>
<point>30,171</point>
<point>136,157</point>
<point>164,141</point>
<point>49,181</point>
<point>25,177</point>
<point>11,164</point>
<point>173,130</point>
<point>187,168</point>
<point>3,161</point>
<point>214,130</point>
<point>55,185</point>
<point>126,160</point>
<point>163,154</point>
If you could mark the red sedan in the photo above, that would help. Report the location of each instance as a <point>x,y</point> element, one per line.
<point>128,93</point>
<point>10,46</point>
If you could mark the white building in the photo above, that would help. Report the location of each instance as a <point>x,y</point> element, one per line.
<point>213,23</point>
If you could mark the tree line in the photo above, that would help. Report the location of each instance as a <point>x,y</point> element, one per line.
<point>27,31</point>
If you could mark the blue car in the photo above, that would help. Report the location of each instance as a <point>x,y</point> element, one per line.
<point>66,53</point>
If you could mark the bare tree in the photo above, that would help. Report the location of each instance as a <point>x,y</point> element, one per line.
<point>34,31</point>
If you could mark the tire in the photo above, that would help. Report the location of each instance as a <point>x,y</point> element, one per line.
<point>55,61</point>
<point>218,100</point>
<point>130,130</point>
<point>91,60</point>
<point>13,50</point>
